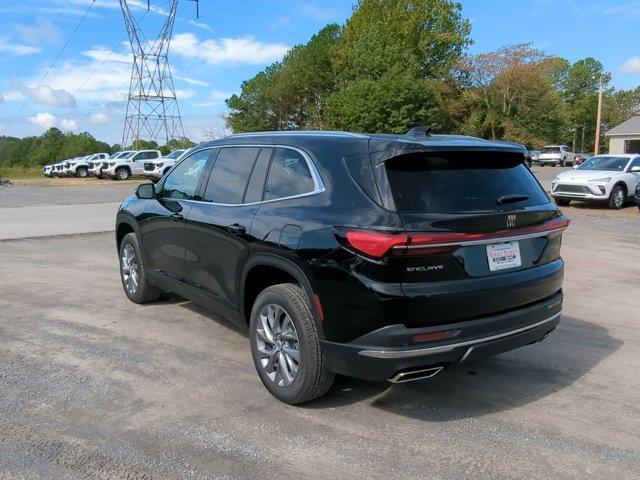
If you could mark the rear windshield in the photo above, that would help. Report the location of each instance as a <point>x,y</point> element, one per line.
<point>550,150</point>
<point>462,182</point>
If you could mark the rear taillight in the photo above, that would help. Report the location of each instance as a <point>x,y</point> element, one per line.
<point>378,244</point>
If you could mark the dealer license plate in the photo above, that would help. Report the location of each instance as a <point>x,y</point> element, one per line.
<point>503,255</point>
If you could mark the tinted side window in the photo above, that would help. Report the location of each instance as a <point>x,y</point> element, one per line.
<point>635,163</point>
<point>183,180</point>
<point>152,155</point>
<point>255,189</point>
<point>289,175</point>
<point>230,174</point>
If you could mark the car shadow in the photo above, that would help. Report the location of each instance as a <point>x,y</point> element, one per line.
<point>486,386</point>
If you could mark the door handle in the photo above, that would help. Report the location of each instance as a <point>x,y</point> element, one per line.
<point>177,217</point>
<point>236,229</point>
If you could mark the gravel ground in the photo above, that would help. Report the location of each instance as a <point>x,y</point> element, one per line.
<point>65,191</point>
<point>94,387</point>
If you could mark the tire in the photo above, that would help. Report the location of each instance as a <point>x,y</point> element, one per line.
<point>82,172</point>
<point>562,202</point>
<point>144,292</point>
<point>617,198</point>
<point>563,162</point>
<point>312,378</point>
<point>122,174</point>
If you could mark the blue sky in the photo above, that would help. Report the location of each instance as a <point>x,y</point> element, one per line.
<point>85,88</point>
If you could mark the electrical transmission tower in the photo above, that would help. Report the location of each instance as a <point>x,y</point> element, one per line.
<point>152,106</point>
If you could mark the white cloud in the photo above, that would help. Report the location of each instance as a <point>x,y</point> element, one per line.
<point>45,95</point>
<point>43,119</point>
<point>318,13</point>
<point>242,50</point>
<point>632,65</point>
<point>98,118</point>
<point>192,81</point>
<point>17,50</point>
<point>68,125</point>
<point>102,54</point>
<point>185,94</point>
<point>13,96</point>
<point>215,98</point>
<point>42,31</point>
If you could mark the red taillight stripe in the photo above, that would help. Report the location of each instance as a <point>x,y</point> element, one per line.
<point>378,244</point>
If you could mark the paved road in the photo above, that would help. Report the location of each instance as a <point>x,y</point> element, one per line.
<point>94,386</point>
<point>50,220</point>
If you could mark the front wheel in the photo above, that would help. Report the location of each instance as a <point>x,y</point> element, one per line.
<point>133,274</point>
<point>82,172</point>
<point>285,345</point>
<point>122,174</point>
<point>616,198</point>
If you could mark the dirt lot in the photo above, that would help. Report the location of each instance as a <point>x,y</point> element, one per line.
<point>94,386</point>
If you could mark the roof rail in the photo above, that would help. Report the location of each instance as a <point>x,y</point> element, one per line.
<point>421,131</point>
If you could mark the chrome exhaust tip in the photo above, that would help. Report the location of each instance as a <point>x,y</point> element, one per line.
<point>411,375</point>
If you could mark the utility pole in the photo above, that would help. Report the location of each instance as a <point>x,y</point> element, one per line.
<point>152,107</point>
<point>599,118</point>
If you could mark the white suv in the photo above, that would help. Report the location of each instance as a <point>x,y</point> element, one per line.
<point>609,179</point>
<point>155,169</point>
<point>555,155</point>
<point>124,168</point>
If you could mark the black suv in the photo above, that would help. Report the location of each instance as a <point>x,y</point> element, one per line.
<point>384,257</point>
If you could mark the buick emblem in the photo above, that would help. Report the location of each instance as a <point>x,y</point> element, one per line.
<point>511,221</point>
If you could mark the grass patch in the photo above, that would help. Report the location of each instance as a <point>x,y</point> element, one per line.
<point>16,172</point>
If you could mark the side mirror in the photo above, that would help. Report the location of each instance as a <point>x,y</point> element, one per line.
<point>146,191</point>
<point>635,169</point>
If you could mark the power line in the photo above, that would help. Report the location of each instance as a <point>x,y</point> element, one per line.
<point>75,30</point>
<point>104,60</point>
<point>55,20</point>
<point>222,9</point>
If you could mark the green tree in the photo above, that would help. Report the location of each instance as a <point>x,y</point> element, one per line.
<point>290,94</point>
<point>511,94</point>
<point>580,92</point>
<point>424,36</point>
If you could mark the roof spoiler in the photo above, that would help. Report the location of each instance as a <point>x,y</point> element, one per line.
<point>421,131</point>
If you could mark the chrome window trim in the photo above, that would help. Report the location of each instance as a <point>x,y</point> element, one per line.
<point>315,175</point>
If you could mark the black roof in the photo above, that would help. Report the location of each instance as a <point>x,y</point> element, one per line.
<point>352,143</point>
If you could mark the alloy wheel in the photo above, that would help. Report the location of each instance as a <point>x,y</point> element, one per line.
<point>130,269</point>
<point>278,345</point>
<point>618,198</point>
<point>123,174</point>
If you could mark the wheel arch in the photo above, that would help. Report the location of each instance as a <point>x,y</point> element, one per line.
<point>124,225</point>
<point>252,283</point>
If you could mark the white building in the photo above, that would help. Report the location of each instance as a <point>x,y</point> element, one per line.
<point>625,138</point>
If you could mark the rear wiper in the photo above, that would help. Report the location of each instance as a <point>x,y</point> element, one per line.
<point>512,197</point>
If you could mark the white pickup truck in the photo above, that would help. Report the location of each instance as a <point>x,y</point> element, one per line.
<point>155,169</point>
<point>79,167</point>
<point>555,155</point>
<point>125,167</point>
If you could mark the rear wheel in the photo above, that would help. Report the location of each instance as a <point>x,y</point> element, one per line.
<point>562,202</point>
<point>617,197</point>
<point>122,174</point>
<point>82,172</point>
<point>133,274</point>
<point>285,345</point>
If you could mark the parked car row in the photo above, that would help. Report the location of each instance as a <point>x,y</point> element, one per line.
<point>118,166</point>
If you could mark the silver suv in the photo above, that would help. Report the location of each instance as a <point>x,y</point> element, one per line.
<point>555,155</point>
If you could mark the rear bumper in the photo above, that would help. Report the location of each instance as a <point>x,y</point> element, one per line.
<point>386,352</point>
